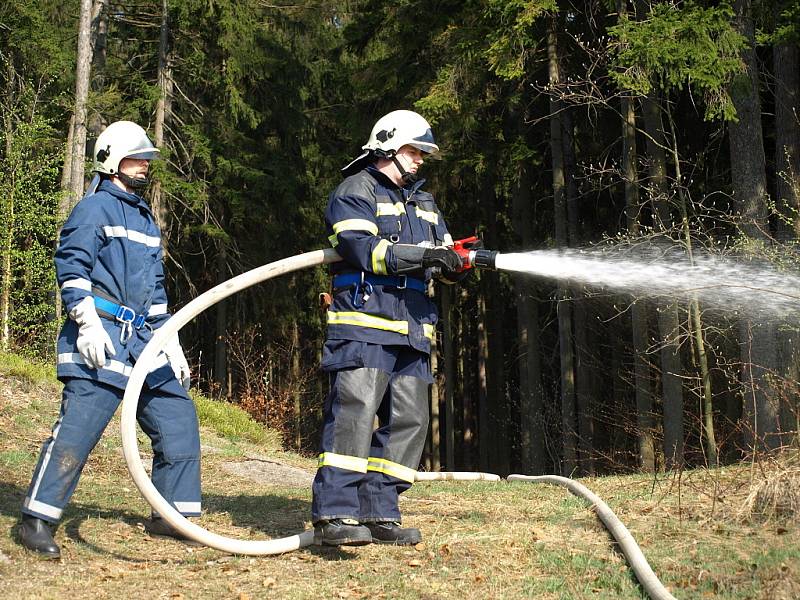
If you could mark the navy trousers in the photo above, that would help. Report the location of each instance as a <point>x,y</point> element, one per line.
<point>167,416</point>
<point>363,470</point>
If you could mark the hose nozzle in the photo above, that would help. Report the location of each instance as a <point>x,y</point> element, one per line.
<point>473,254</point>
<point>483,259</point>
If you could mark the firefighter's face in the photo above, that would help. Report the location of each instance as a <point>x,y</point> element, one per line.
<point>411,158</point>
<point>134,167</point>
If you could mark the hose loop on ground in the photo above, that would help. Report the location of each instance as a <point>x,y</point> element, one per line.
<point>143,365</point>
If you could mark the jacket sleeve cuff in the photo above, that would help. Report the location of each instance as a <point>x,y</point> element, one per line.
<point>406,259</point>
<point>75,291</point>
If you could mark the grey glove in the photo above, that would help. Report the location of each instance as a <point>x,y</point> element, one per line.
<point>443,257</point>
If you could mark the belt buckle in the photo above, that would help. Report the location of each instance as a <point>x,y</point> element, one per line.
<point>404,279</point>
<point>125,314</point>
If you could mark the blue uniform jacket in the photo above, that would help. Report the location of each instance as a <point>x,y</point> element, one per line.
<point>366,216</point>
<point>110,247</point>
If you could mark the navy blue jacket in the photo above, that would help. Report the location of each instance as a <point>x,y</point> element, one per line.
<point>110,247</point>
<point>367,215</point>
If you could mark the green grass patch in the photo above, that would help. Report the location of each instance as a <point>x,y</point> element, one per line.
<point>233,423</point>
<point>16,459</point>
<point>228,420</point>
<point>26,369</point>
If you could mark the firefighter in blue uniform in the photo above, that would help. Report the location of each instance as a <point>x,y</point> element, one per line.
<point>110,272</point>
<point>393,240</point>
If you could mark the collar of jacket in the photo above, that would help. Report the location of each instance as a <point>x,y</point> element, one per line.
<point>108,186</point>
<point>386,182</point>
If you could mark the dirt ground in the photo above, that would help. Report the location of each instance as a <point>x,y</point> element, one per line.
<point>270,472</point>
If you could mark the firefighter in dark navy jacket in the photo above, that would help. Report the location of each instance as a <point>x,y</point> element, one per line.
<point>393,240</point>
<point>110,272</point>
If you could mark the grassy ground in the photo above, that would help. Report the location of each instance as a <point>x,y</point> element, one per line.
<point>482,540</point>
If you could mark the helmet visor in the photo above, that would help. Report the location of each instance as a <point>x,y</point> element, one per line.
<point>145,154</point>
<point>426,144</point>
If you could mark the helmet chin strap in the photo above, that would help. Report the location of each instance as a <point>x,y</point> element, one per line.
<point>408,178</point>
<point>135,183</point>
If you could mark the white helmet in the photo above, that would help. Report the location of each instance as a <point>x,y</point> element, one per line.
<point>400,128</point>
<point>121,139</point>
<point>395,130</point>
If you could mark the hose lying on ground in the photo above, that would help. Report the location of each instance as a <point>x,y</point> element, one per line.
<point>130,448</point>
<point>641,568</point>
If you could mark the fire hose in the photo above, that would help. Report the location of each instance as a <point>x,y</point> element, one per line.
<point>471,256</point>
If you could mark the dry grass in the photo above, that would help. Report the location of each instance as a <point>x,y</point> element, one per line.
<point>777,497</point>
<point>482,540</point>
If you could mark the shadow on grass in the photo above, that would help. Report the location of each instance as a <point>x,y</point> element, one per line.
<point>12,496</point>
<point>270,516</point>
<point>273,516</point>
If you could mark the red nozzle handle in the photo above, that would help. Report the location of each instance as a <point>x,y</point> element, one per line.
<point>463,249</point>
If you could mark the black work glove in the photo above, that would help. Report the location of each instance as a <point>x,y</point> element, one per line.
<point>443,257</point>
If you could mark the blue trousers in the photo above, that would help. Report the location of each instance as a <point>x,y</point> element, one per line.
<point>363,470</point>
<point>167,416</point>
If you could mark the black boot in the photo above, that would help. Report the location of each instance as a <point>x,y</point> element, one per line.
<point>390,532</point>
<point>158,527</point>
<point>341,532</point>
<point>35,534</point>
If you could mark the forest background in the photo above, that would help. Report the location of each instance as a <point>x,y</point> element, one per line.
<point>626,125</point>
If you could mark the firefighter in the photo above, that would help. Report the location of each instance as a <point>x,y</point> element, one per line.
<point>110,272</point>
<point>393,240</point>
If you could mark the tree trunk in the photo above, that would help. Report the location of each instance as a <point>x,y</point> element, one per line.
<point>75,154</point>
<point>569,444</point>
<point>531,401</point>
<point>585,382</point>
<point>786,57</point>
<point>749,182</point>
<point>497,404</point>
<point>641,378</point>
<point>8,215</point>
<point>533,456</point>
<point>484,431</point>
<point>82,75</point>
<point>570,184</point>
<point>748,174</point>
<point>671,385</point>
<point>708,435</point>
<point>586,390</point>
<point>466,376</point>
<point>668,317</point>
<point>644,396</point>
<point>761,404</point>
<point>163,108</point>
<point>99,41</point>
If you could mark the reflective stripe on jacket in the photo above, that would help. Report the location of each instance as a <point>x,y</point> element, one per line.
<point>366,215</point>
<point>111,246</point>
